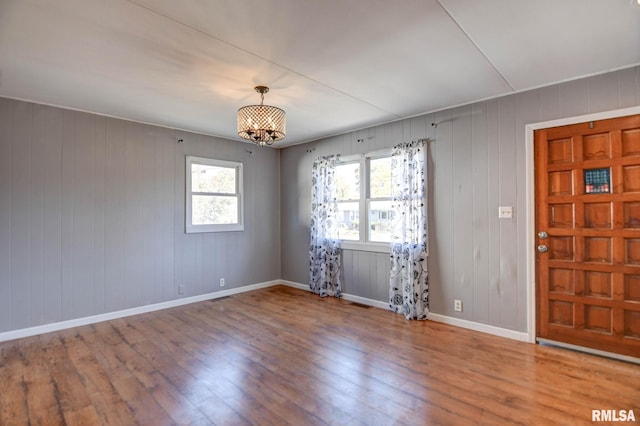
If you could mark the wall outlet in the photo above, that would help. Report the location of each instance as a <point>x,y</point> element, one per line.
<point>221,282</point>
<point>180,289</point>
<point>457,305</point>
<point>505,212</point>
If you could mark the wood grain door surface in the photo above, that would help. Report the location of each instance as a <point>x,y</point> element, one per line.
<point>587,179</point>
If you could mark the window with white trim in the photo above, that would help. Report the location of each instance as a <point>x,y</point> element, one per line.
<point>213,195</point>
<point>363,188</point>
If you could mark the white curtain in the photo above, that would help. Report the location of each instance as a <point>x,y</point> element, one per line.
<point>324,248</point>
<point>409,282</point>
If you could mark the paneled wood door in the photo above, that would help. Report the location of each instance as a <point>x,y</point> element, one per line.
<point>588,221</point>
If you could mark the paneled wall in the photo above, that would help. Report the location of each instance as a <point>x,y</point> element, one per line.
<point>477,162</point>
<point>92,216</point>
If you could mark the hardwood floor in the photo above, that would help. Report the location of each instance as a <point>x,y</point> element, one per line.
<point>284,356</point>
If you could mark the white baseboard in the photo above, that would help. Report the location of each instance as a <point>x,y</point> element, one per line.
<point>345,296</point>
<point>62,325</point>
<point>484,328</point>
<point>295,285</point>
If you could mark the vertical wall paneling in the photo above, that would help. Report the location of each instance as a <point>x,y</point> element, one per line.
<point>114,217</point>
<point>179,210</point>
<point>83,215</point>
<point>493,185</point>
<point>477,162</point>
<point>198,277</point>
<point>383,265</point>
<point>169,176</point>
<point>549,102</point>
<point>527,110</point>
<point>188,260</point>
<point>208,266</point>
<point>20,213</point>
<point>602,92</point>
<point>133,214</point>
<point>627,89</point>
<point>508,190</point>
<point>36,217</point>
<point>52,216</point>
<point>6,134</point>
<point>99,206</point>
<point>92,216</point>
<point>148,223</point>
<point>481,212</point>
<point>159,215</point>
<point>441,255</point>
<point>574,98</point>
<point>361,283</point>
<point>462,204</point>
<point>68,142</point>
<point>418,128</point>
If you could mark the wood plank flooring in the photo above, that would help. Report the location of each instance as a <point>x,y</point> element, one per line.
<point>283,356</point>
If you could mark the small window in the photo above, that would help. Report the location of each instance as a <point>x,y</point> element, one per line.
<point>379,200</point>
<point>348,196</point>
<point>363,189</point>
<point>213,195</point>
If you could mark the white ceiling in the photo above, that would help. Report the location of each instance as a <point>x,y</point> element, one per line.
<point>333,65</point>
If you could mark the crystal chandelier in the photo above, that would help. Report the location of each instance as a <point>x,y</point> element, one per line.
<point>261,124</point>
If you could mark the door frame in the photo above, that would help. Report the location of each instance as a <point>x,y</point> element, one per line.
<point>530,204</point>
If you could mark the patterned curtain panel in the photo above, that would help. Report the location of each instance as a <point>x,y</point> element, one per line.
<point>324,249</point>
<point>409,282</point>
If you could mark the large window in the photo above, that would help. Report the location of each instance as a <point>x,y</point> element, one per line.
<point>213,195</point>
<point>364,202</point>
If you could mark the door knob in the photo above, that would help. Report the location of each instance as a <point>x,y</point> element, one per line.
<point>542,248</point>
<point>542,235</point>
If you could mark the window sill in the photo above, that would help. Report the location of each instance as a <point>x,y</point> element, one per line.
<point>370,247</point>
<point>199,229</point>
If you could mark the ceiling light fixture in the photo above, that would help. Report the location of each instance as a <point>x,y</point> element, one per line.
<point>262,124</point>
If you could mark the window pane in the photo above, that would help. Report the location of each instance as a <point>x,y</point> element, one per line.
<point>380,179</point>
<point>348,181</point>
<point>213,179</point>
<point>349,221</point>
<point>214,210</point>
<point>380,221</point>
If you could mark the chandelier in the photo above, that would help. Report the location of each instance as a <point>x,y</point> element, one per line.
<point>261,124</point>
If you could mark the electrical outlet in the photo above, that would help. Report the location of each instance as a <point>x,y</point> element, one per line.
<point>221,282</point>
<point>505,212</point>
<point>180,289</point>
<point>457,305</point>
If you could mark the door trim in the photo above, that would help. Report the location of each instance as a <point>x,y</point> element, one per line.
<point>530,196</point>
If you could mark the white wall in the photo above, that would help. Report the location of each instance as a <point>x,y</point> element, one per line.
<point>92,216</point>
<point>477,162</point>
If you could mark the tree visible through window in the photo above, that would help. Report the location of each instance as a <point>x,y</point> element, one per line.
<point>379,200</point>
<point>348,194</point>
<point>214,195</point>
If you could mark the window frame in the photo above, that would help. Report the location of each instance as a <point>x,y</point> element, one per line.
<point>190,228</point>
<point>346,162</point>
<point>364,244</point>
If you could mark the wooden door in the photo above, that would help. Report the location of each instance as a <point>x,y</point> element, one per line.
<point>588,203</point>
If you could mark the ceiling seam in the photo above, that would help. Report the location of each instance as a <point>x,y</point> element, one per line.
<point>506,80</point>
<point>228,43</point>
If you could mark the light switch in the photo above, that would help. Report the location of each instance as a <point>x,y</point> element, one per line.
<point>505,212</point>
